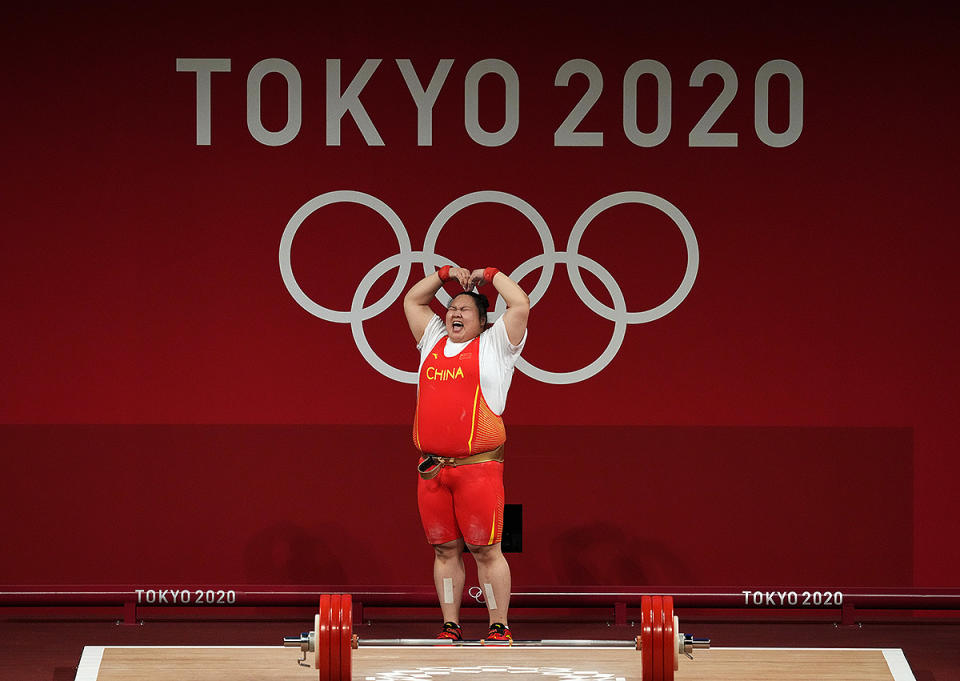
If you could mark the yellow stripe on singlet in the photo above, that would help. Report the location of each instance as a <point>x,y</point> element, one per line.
<point>493,529</point>
<point>473,424</point>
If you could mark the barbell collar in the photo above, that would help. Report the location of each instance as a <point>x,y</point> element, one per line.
<point>306,641</point>
<point>691,643</point>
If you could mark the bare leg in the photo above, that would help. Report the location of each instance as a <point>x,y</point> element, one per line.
<point>448,576</point>
<point>493,572</point>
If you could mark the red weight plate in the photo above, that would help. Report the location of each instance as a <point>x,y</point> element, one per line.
<point>316,636</point>
<point>646,638</point>
<point>323,639</point>
<point>346,637</point>
<point>657,638</point>
<point>669,644</point>
<point>335,634</point>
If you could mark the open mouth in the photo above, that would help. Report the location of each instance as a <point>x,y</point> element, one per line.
<point>457,326</point>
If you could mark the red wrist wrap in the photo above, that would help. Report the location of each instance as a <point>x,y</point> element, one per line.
<point>444,273</point>
<point>489,274</point>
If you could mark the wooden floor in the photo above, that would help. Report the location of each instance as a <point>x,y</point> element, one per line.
<point>490,664</point>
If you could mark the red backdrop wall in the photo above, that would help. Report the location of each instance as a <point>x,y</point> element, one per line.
<point>171,412</point>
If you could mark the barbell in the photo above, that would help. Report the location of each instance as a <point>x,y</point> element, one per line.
<point>332,640</point>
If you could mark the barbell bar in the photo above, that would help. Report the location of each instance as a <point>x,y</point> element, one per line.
<point>332,640</point>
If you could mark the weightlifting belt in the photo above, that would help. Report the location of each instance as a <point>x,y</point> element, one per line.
<point>432,463</point>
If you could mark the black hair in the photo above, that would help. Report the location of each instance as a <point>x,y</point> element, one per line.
<point>482,304</point>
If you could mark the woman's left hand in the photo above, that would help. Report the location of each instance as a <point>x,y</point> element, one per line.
<point>476,278</point>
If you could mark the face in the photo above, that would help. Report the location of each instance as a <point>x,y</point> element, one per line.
<point>463,319</point>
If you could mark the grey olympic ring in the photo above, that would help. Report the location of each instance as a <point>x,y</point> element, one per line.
<point>359,312</point>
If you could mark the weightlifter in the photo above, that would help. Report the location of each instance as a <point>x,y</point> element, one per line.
<point>465,374</point>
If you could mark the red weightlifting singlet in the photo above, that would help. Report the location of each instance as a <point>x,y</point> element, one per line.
<point>452,417</point>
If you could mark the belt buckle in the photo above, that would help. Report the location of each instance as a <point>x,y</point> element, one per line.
<point>430,463</point>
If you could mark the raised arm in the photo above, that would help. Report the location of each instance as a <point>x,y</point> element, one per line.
<point>518,304</point>
<point>416,304</point>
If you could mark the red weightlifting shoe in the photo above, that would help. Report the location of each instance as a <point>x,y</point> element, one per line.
<point>499,632</point>
<point>452,631</point>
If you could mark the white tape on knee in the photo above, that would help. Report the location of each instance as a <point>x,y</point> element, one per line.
<point>447,590</point>
<point>491,601</point>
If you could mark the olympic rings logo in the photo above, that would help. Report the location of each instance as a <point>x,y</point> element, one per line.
<point>359,312</point>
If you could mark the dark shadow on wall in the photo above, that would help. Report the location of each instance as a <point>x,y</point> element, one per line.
<point>603,554</point>
<point>291,554</point>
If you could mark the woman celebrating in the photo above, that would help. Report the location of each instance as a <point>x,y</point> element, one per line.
<point>465,374</point>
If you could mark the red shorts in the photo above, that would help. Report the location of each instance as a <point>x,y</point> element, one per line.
<point>463,501</point>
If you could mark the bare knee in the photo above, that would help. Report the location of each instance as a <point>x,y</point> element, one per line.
<point>452,550</point>
<point>486,554</point>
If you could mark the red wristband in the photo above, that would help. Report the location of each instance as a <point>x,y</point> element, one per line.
<point>444,273</point>
<point>489,274</point>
